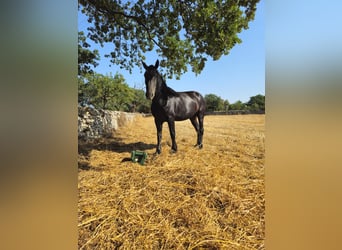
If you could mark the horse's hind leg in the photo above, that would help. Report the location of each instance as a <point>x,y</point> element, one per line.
<point>201,129</point>
<point>197,128</point>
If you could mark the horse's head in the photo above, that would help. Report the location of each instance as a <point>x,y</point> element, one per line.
<point>151,79</point>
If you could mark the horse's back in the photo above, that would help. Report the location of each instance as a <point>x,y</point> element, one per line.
<point>199,99</point>
<point>189,104</point>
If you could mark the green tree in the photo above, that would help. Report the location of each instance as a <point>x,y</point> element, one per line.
<point>182,32</point>
<point>86,57</point>
<point>226,105</point>
<point>256,103</point>
<point>107,92</point>
<point>140,102</point>
<point>238,105</point>
<point>86,90</point>
<point>214,103</point>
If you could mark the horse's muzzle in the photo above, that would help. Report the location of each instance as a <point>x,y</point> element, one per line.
<point>151,86</point>
<point>150,96</point>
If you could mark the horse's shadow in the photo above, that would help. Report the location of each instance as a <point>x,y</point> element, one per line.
<point>114,145</point>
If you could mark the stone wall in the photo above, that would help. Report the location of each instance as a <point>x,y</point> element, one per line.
<point>93,123</point>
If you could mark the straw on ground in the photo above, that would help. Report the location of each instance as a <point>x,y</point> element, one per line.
<point>212,198</point>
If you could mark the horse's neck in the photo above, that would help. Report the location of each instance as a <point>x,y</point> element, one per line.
<point>164,89</point>
<point>161,82</point>
<point>162,85</point>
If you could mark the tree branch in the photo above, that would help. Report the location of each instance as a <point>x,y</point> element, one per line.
<point>135,18</point>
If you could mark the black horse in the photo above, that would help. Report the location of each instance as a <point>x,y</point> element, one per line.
<point>170,106</point>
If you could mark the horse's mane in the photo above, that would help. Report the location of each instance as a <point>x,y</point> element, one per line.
<point>169,91</point>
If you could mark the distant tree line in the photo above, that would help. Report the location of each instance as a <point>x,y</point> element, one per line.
<point>216,103</point>
<point>113,93</point>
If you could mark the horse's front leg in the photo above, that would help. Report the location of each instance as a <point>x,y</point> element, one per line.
<point>159,126</point>
<point>171,124</point>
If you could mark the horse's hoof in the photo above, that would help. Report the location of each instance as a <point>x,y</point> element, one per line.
<point>173,151</point>
<point>199,146</point>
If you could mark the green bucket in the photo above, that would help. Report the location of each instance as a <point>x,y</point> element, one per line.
<point>138,156</point>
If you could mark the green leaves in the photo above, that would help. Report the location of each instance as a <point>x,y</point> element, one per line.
<point>256,103</point>
<point>214,103</point>
<point>86,57</point>
<point>183,32</point>
<point>106,92</point>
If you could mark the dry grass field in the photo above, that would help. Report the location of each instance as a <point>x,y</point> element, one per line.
<point>213,198</point>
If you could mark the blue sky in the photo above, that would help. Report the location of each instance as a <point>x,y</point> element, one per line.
<point>237,76</point>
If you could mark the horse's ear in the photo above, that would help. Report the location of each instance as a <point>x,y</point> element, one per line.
<point>157,64</point>
<point>144,64</point>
